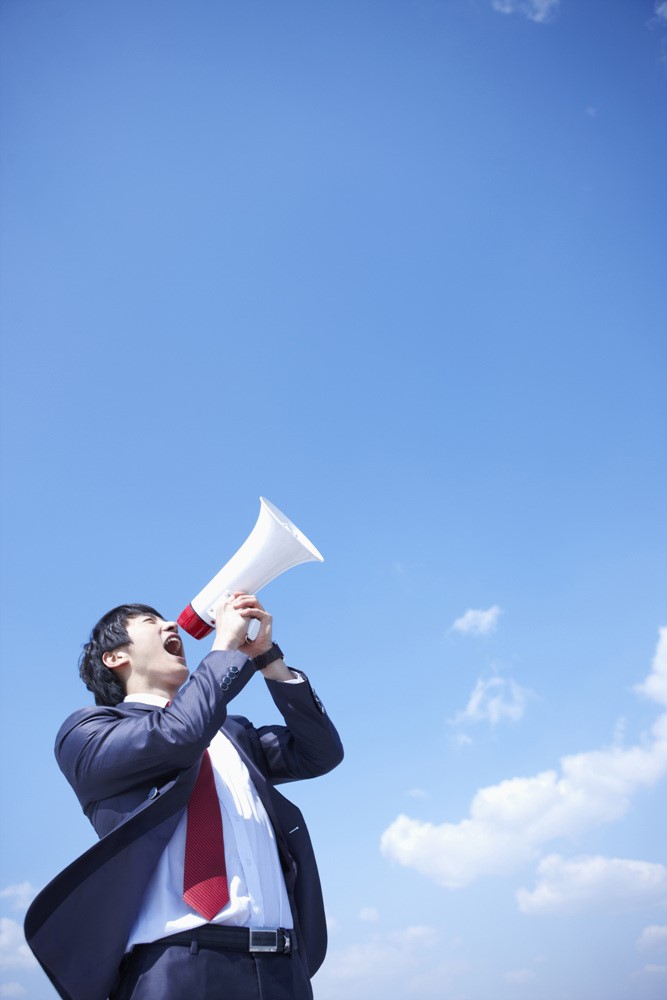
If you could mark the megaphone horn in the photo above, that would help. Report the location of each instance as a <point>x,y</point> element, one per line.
<point>273,546</point>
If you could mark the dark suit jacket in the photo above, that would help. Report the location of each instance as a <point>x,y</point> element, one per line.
<point>133,767</point>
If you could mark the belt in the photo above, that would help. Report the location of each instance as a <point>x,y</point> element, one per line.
<point>248,939</point>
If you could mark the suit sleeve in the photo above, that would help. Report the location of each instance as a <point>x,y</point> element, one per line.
<point>307,746</point>
<point>103,751</point>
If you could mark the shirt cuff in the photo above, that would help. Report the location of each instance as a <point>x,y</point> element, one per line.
<point>298,679</point>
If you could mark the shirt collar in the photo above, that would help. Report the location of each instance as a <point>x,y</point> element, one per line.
<point>148,699</point>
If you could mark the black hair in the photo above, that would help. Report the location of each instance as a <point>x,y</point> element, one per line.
<point>109,633</point>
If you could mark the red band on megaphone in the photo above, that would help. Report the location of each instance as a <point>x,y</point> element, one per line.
<point>193,624</point>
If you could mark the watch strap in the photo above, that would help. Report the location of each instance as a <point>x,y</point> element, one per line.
<point>264,659</point>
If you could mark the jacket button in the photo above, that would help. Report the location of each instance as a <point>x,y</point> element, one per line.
<point>153,794</point>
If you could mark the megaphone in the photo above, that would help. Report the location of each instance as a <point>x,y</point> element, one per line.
<point>273,546</point>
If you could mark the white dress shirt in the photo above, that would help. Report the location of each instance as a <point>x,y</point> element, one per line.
<point>257,893</point>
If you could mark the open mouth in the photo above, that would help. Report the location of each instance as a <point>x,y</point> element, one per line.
<point>173,645</point>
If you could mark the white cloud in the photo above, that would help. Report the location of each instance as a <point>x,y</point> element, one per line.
<point>385,956</point>
<point>535,10</point>
<point>418,793</point>
<point>593,884</point>
<point>653,937</point>
<point>478,622</point>
<point>661,10</point>
<point>12,990</point>
<point>520,976</point>
<point>462,740</point>
<point>22,894</point>
<point>509,823</point>
<point>655,685</point>
<point>14,952</point>
<point>369,914</point>
<point>655,970</point>
<point>393,963</point>
<point>493,700</point>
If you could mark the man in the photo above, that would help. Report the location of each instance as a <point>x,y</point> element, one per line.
<point>203,884</point>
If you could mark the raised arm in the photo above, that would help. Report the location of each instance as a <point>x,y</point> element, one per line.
<point>103,751</point>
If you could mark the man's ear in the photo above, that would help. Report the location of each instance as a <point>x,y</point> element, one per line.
<point>115,658</point>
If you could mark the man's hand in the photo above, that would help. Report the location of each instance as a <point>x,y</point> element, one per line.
<point>232,616</point>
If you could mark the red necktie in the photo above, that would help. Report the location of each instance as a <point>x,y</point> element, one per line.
<point>205,877</point>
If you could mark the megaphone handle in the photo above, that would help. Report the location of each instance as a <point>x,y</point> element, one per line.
<point>253,627</point>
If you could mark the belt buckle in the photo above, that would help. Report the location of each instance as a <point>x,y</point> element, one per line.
<point>261,940</point>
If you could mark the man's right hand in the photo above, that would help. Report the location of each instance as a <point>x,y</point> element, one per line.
<point>231,628</point>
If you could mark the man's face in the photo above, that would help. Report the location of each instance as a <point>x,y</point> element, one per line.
<point>155,653</point>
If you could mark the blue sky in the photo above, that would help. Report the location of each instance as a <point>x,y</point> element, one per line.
<point>399,267</point>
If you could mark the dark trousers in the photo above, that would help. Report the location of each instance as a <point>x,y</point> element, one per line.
<point>173,972</point>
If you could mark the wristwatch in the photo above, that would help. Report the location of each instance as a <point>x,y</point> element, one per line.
<point>264,659</point>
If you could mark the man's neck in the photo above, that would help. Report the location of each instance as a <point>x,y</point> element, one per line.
<point>143,698</point>
<point>139,687</point>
